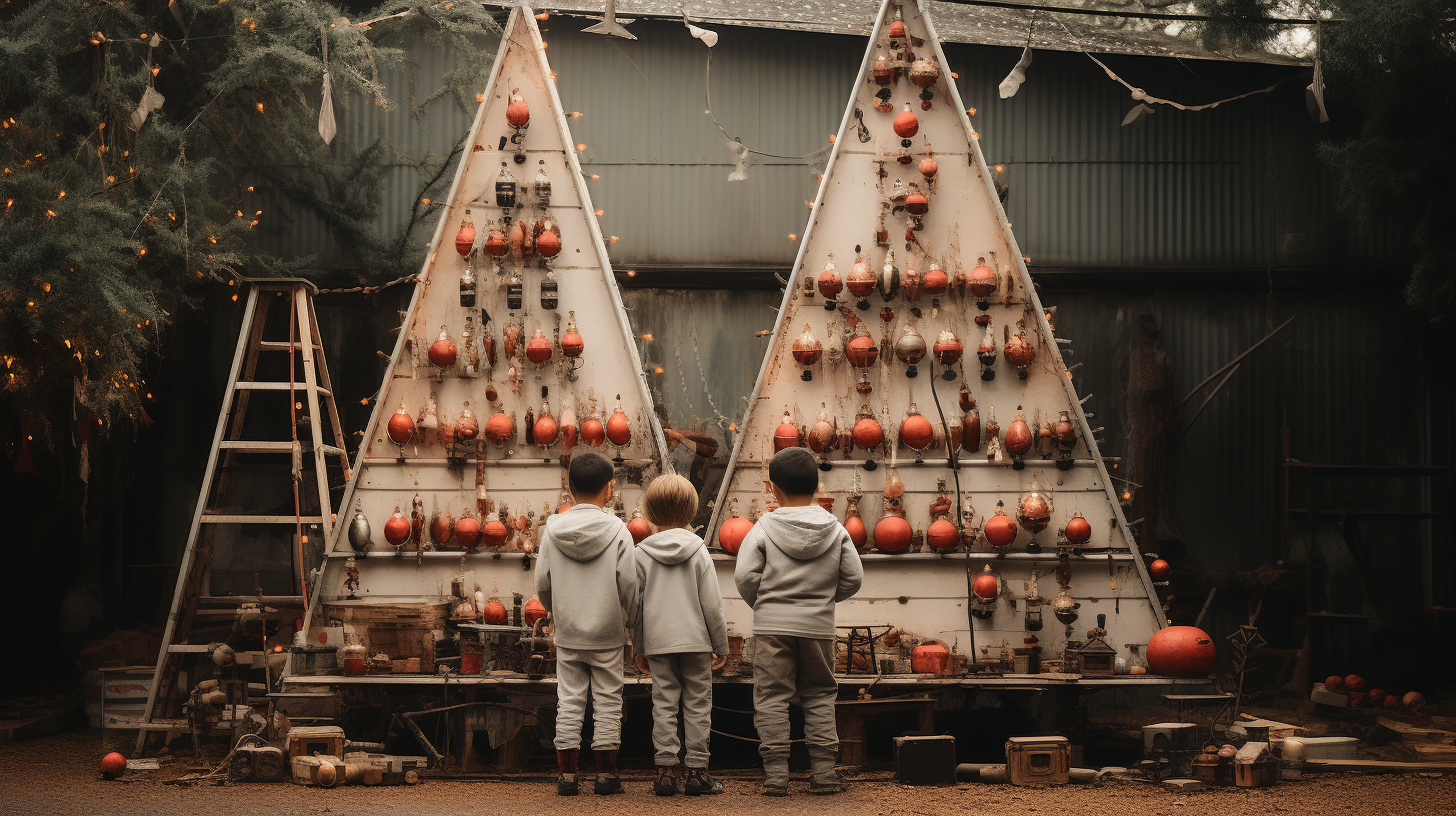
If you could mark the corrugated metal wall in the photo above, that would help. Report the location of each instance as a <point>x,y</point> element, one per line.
<point>1234,187</point>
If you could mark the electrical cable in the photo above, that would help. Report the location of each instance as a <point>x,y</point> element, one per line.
<point>952,461</point>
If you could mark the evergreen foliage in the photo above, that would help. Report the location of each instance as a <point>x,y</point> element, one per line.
<point>1390,77</point>
<point>106,231</point>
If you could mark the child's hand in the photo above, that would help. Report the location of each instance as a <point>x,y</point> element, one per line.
<point>719,661</point>
<point>641,662</point>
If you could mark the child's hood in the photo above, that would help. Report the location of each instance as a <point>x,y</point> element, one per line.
<point>671,546</point>
<point>802,533</point>
<point>584,531</point>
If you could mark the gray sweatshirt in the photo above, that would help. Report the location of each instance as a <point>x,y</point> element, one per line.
<point>586,579</point>
<point>794,566</point>
<point>682,607</point>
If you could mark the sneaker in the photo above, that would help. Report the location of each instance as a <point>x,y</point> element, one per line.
<point>834,784</point>
<point>774,790</point>
<point>666,783</point>
<point>701,783</point>
<point>566,780</point>
<point>608,781</point>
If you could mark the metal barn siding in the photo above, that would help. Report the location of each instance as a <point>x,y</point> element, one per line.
<point>664,165</point>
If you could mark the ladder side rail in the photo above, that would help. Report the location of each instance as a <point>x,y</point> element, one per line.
<point>330,399</point>
<point>184,575</point>
<point>315,423</point>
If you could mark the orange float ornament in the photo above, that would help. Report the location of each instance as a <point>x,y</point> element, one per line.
<point>465,238</point>
<point>896,29</point>
<point>823,437</point>
<point>892,532</point>
<point>518,114</point>
<point>807,350</point>
<point>786,435</point>
<point>1182,651</point>
<point>494,532</point>
<point>917,204</point>
<point>930,657</point>
<point>854,524</point>
<point>1019,351</point>
<point>929,167</point>
<point>500,429</point>
<point>733,530</point>
<point>572,344</point>
<point>466,428</point>
<point>1159,570</point>
<point>496,245</point>
<point>936,282</point>
<point>442,352</point>
<point>442,527</point>
<point>548,242</point>
<point>948,350</point>
<point>495,613</point>
<point>906,123</point>
<point>1018,440</point>
<point>1066,435</point>
<point>638,526</point>
<point>1000,529</point>
<point>860,282</point>
<point>830,285</point>
<point>985,591</point>
<point>916,432</point>
<point>532,611</point>
<point>401,428</point>
<point>619,430</point>
<point>545,432</point>
<point>467,531</point>
<point>538,348</point>
<point>924,73</point>
<point>1077,530</point>
<point>883,73</point>
<point>397,530</point>
<point>862,352</point>
<point>982,283</point>
<point>867,432</point>
<point>593,432</point>
<point>1035,510</point>
<point>942,534</point>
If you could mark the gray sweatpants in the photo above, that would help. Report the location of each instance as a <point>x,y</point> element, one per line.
<point>681,681</point>
<point>783,667</point>
<point>594,671</point>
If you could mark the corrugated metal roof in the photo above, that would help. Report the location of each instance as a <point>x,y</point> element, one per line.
<point>954,22</point>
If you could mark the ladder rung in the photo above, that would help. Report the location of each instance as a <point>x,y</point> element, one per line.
<point>282,345</point>
<point>243,518</point>
<point>251,385</point>
<point>205,648</point>
<point>235,600</point>
<point>264,446</point>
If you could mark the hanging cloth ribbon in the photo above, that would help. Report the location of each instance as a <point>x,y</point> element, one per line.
<point>151,100</point>
<point>327,127</point>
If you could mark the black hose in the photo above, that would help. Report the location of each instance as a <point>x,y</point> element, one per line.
<point>952,461</point>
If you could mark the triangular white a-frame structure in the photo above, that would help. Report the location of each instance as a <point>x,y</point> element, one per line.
<point>910,329</point>
<point>516,319</point>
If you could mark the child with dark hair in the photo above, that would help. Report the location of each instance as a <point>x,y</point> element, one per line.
<point>587,580</point>
<point>679,631</point>
<point>793,567</point>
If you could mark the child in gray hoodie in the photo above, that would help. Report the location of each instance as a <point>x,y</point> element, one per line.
<point>793,567</point>
<point>586,579</point>
<point>679,630</point>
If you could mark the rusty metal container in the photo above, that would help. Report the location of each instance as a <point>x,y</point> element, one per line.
<point>1038,760</point>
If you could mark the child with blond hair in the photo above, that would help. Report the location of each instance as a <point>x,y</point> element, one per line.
<point>679,632</point>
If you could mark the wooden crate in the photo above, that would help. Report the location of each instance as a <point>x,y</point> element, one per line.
<point>399,628</point>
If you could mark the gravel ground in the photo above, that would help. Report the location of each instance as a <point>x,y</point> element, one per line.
<point>57,776</point>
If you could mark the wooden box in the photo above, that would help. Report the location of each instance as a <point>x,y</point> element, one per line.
<point>1038,760</point>
<point>325,740</point>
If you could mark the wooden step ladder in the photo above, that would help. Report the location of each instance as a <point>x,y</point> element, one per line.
<point>305,401</point>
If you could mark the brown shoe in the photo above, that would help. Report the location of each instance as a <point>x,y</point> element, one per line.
<point>608,782</point>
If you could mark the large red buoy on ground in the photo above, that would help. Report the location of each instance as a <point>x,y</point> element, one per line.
<point>1181,651</point>
<point>113,765</point>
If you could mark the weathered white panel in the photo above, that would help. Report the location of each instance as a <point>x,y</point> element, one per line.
<point>965,226</point>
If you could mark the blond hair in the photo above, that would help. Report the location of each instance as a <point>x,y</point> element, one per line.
<point>670,501</point>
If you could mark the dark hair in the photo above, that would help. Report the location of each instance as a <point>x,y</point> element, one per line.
<point>588,474</point>
<point>794,471</point>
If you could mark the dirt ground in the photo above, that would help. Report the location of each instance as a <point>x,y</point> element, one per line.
<point>58,775</point>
